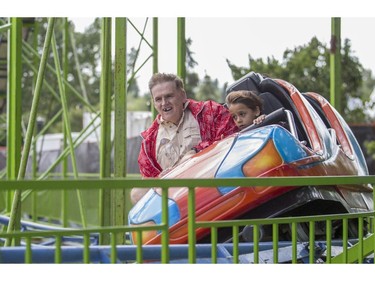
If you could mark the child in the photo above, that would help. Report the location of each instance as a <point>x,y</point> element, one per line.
<point>245,108</point>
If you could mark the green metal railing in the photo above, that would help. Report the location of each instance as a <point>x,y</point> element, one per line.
<point>350,254</point>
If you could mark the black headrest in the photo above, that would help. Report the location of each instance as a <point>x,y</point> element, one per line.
<point>271,86</point>
<point>248,82</point>
<point>270,102</point>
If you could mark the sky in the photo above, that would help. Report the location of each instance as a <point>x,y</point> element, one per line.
<point>222,30</point>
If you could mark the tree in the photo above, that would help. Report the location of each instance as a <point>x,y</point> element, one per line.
<point>307,68</point>
<point>208,89</point>
<point>133,88</point>
<point>192,78</point>
<point>88,50</point>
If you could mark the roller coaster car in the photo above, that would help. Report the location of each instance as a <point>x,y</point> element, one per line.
<point>312,140</point>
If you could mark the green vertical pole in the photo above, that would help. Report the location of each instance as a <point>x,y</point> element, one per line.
<point>65,61</point>
<point>16,204</point>
<point>181,49</point>
<point>14,115</point>
<point>165,222</point>
<point>34,152</point>
<point>155,56</point>
<point>155,45</point>
<point>191,226</point>
<point>121,198</point>
<point>335,65</point>
<point>105,109</point>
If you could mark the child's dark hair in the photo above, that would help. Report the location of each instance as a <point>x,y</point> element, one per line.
<point>248,98</point>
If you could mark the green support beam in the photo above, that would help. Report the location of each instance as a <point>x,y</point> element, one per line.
<point>120,197</point>
<point>35,62</point>
<point>14,116</point>
<point>105,109</point>
<point>181,49</point>
<point>155,56</point>
<point>64,164</point>
<point>14,136</point>
<point>335,65</point>
<point>155,48</point>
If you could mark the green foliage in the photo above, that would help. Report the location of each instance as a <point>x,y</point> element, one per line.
<point>190,61</point>
<point>307,68</point>
<point>191,84</point>
<point>370,147</point>
<point>192,78</point>
<point>208,89</point>
<point>88,50</point>
<point>133,89</point>
<point>142,103</point>
<point>75,117</point>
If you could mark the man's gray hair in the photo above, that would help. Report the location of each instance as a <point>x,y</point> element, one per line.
<point>158,78</point>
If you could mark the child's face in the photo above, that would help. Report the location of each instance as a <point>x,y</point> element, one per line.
<point>242,115</point>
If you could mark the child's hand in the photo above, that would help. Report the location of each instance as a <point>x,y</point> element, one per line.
<point>259,119</point>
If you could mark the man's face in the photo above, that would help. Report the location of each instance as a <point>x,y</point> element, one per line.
<point>169,101</point>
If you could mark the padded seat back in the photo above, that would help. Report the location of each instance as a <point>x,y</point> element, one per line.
<point>248,82</point>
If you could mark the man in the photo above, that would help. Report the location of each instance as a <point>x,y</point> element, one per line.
<point>182,128</point>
